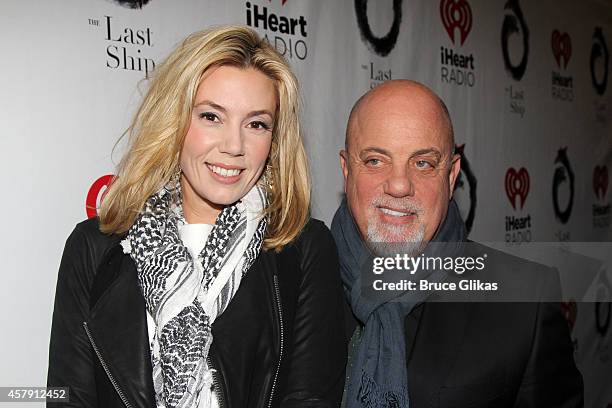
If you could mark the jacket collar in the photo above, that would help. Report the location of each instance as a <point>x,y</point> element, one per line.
<point>118,326</point>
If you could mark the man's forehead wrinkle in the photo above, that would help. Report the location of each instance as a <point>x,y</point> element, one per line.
<point>395,127</point>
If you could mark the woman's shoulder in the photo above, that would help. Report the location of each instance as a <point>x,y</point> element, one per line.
<point>84,252</point>
<point>315,233</point>
<point>89,230</point>
<point>89,227</point>
<point>315,245</point>
<point>87,239</point>
<point>314,228</point>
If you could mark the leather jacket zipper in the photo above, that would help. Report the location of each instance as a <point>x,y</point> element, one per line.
<point>216,382</point>
<point>105,367</point>
<point>282,338</point>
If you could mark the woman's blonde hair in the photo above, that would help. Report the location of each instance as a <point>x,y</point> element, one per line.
<point>158,131</point>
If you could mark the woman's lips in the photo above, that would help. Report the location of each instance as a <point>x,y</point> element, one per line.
<point>225,174</point>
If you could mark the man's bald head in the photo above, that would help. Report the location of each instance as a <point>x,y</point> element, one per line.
<point>390,92</point>
<point>399,164</point>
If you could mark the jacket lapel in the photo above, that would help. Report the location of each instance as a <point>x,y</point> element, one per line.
<point>412,323</point>
<point>434,335</point>
<point>118,327</point>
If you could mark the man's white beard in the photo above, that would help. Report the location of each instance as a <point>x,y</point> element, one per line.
<point>389,240</point>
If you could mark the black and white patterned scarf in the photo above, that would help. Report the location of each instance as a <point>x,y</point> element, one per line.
<point>183,299</point>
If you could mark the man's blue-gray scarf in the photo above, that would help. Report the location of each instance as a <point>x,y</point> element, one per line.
<point>378,375</point>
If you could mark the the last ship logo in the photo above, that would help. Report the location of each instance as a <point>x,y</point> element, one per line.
<point>128,47</point>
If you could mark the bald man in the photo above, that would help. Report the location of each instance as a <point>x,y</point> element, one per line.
<point>399,170</point>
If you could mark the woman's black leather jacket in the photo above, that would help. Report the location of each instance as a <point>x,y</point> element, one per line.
<point>280,342</point>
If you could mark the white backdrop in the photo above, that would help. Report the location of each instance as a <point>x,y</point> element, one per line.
<point>68,93</point>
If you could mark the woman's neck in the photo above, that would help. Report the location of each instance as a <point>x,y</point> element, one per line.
<point>196,209</point>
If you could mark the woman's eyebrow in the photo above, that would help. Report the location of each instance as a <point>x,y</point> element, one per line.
<point>224,110</point>
<point>261,112</point>
<point>211,104</point>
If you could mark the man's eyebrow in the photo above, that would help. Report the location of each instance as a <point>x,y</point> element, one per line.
<point>429,151</point>
<point>421,152</point>
<point>375,150</point>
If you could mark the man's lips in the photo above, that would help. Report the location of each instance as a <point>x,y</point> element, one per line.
<point>396,216</point>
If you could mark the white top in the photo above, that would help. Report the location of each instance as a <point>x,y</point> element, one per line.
<point>194,238</point>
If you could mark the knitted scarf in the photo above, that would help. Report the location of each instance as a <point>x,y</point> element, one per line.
<point>378,377</point>
<point>185,300</point>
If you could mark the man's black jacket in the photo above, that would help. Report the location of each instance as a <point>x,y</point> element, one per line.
<point>493,354</point>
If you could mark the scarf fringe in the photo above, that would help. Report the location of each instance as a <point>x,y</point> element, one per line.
<point>371,395</point>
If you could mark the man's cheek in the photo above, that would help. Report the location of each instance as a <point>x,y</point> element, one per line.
<point>368,184</point>
<point>363,200</point>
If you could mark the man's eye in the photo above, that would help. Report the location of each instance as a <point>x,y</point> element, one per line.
<point>373,162</point>
<point>259,125</point>
<point>424,164</point>
<point>209,116</point>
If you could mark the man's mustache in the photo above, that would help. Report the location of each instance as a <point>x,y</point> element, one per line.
<point>402,205</point>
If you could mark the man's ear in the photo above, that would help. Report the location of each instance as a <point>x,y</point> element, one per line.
<point>344,163</point>
<point>454,173</point>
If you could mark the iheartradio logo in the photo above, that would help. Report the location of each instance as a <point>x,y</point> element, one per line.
<point>96,194</point>
<point>600,181</point>
<point>561,44</point>
<point>517,186</point>
<point>456,15</point>
<point>570,311</point>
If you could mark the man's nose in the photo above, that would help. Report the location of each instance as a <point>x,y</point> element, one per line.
<point>399,184</point>
<point>233,141</point>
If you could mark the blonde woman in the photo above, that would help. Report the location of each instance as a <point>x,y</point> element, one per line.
<point>204,283</point>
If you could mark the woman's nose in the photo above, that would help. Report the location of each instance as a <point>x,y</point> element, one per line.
<point>232,142</point>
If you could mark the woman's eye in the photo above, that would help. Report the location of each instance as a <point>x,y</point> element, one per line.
<point>259,125</point>
<point>209,116</point>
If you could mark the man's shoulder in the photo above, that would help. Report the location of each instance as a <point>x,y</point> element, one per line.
<point>518,279</point>
<point>505,259</point>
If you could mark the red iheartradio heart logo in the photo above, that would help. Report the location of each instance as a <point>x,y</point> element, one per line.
<point>456,14</point>
<point>91,202</point>
<point>600,181</point>
<point>561,47</point>
<point>517,185</point>
<point>570,311</point>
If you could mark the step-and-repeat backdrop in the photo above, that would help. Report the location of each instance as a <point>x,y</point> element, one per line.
<point>527,84</point>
